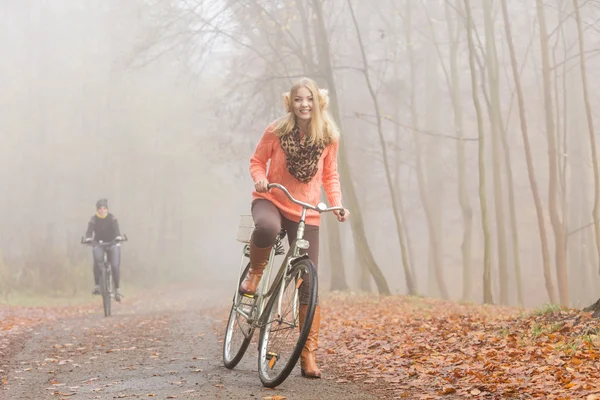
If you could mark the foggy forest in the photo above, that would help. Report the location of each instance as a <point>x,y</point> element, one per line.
<point>468,155</point>
<point>469,265</point>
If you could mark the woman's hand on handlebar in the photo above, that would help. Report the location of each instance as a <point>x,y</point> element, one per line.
<point>261,186</point>
<point>342,215</point>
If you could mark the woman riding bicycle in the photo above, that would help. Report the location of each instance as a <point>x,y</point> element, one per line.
<point>302,147</point>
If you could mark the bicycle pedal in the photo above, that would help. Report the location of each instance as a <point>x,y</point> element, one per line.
<point>272,357</point>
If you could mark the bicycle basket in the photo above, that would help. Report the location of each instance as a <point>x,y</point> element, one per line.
<point>245,228</point>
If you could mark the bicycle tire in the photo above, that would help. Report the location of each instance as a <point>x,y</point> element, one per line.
<point>232,358</point>
<point>307,268</point>
<point>105,291</point>
<point>111,291</point>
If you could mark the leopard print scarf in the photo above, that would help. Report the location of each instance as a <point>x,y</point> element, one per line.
<point>302,158</point>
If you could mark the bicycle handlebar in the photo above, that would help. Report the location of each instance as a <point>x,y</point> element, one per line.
<point>320,208</point>
<point>104,244</point>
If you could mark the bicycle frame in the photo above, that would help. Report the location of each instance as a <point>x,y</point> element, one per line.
<point>104,245</point>
<point>263,291</point>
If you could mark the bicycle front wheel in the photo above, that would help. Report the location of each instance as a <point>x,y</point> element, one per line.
<point>281,339</point>
<point>239,329</point>
<point>105,290</point>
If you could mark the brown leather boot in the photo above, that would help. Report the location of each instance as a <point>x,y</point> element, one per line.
<point>308,361</point>
<point>259,257</point>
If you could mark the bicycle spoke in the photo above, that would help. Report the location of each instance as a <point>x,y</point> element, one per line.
<point>282,339</point>
<point>239,329</point>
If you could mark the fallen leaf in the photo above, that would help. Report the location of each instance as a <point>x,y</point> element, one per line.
<point>448,390</point>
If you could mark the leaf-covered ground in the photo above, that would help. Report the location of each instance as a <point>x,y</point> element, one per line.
<point>398,347</point>
<point>416,348</point>
<point>16,321</point>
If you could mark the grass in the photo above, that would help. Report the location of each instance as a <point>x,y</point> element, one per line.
<point>546,309</point>
<point>537,330</point>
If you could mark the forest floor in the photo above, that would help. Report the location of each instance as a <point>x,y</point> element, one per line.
<point>168,346</point>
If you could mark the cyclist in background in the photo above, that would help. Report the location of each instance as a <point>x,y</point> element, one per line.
<point>104,226</point>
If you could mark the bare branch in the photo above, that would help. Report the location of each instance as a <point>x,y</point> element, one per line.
<point>390,119</point>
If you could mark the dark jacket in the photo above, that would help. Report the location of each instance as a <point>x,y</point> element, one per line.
<point>103,229</point>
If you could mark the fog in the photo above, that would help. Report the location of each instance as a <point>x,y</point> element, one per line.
<point>157,106</point>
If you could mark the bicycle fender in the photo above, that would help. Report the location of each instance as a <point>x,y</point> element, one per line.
<point>297,260</point>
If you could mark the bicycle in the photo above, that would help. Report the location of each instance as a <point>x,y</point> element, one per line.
<point>107,289</point>
<point>265,309</point>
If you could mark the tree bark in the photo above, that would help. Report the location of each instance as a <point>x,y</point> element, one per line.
<point>334,244</point>
<point>492,73</point>
<point>334,250</point>
<point>555,219</point>
<point>487,265</point>
<point>590,123</point>
<point>364,254</point>
<point>463,193</point>
<point>410,281</point>
<point>529,159</point>
<point>433,236</point>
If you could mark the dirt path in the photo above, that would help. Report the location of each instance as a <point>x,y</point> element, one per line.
<point>148,349</point>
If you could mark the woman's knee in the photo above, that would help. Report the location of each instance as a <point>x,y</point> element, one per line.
<point>265,231</point>
<point>267,223</point>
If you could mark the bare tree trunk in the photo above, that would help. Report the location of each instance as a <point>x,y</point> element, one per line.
<point>561,133</point>
<point>435,182</point>
<point>334,244</point>
<point>397,168</point>
<point>308,48</point>
<point>590,122</point>
<point>555,219</point>
<point>492,72</point>
<point>487,266</point>
<point>397,186</point>
<point>356,220</point>
<point>433,236</point>
<point>514,228</point>
<point>463,193</point>
<point>495,112</point>
<point>529,159</point>
<point>410,282</point>
<point>334,250</point>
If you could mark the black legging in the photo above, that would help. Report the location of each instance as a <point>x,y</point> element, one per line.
<point>114,256</point>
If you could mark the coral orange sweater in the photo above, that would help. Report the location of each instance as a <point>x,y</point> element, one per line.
<point>268,148</point>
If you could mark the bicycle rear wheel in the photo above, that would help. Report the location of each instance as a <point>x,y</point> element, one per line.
<point>281,341</point>
<point>239,330</point>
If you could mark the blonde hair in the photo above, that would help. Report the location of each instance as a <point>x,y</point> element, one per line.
<point>321,129</point>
